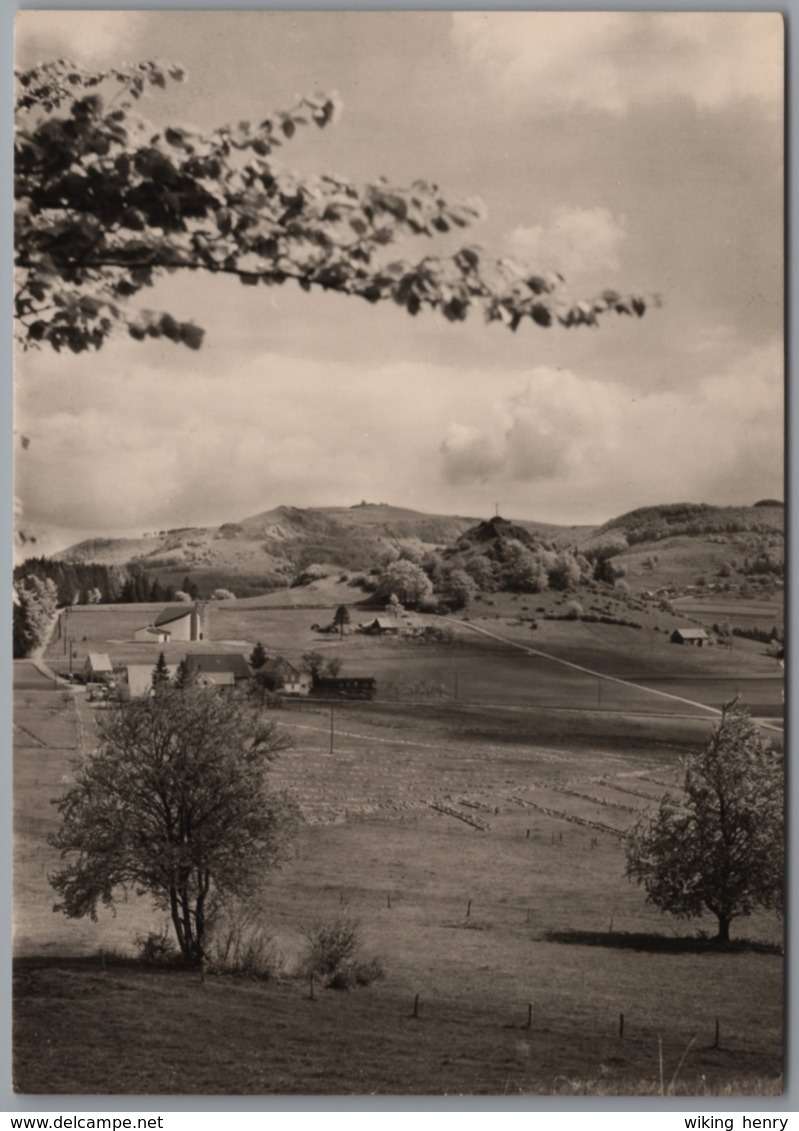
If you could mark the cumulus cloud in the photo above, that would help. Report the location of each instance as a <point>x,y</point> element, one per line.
<point>136,446</point>
<point>577,241</point>
<point>565,436</point>
<point>612,60</point>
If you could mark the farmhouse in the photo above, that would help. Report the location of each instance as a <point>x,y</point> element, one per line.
<point>285,677</point>
<point>345,687</point>
<point>219,669</point>
<point>696,636</point>
<point>98,668</point>
<point>381,626</point>
<point>152,635</point>
<point>184,622</point>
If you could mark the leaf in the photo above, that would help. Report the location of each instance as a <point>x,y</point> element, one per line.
<point>541,314</point>
<point>191,335</point>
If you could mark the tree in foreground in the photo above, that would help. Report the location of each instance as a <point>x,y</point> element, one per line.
<point>174,804</point>
<point>106,203</point>
<point>719,848</point>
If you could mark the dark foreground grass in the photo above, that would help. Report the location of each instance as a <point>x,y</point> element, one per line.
<point>83,1027</point>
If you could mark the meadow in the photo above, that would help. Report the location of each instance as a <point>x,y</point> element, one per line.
<point>475,834</point>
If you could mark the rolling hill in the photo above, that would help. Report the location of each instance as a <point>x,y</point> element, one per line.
<point>676,545</point>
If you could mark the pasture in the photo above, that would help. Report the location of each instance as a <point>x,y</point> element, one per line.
<point>474,832</point>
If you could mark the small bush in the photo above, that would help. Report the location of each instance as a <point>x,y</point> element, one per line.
<point>333,953</point>
<point>242,948</point>
<point>156,948</point>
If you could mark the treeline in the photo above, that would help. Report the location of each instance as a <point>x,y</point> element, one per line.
<point>92,583</point>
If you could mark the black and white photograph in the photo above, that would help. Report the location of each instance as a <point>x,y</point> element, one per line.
<point>399,554</point>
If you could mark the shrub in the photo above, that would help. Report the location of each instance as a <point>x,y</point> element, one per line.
<point>242,948</point>
<point>333,953</point>
<point>156,948</point>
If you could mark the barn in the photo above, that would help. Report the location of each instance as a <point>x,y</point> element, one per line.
<point>695,636</point>
<point>382,626</point>
<point>346,687</point>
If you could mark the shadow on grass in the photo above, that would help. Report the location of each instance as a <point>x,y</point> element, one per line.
<point>661,944</point>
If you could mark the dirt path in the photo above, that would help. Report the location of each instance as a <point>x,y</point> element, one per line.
<point>600,675</point>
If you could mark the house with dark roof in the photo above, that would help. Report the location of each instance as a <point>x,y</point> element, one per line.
<point>218,669</point>
<point>695,636</point>
<point>382,626</point>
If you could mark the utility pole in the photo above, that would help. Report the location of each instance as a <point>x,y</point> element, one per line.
<point>331,729</point>
<point>599,694</point>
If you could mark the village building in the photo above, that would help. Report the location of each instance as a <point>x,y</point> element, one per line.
<point>152,635</point>
<point>285,677</point>
<point>185,622</point>
<point>97,668</point>
<point>382,626</point>
<point>218,669</point>
<point>695,636</point>
<point>345,687</point>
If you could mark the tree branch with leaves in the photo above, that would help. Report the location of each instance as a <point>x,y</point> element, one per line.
<point>106,203</point>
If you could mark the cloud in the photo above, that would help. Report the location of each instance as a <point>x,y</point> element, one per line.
<point>576,242</point>
<point>119,442</point>
<point>138,447</point>
<point>89,37</point>
<point>611,61</point>
<point>566,437</point>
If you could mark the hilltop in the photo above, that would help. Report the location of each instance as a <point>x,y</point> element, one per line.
<point>677,546</point>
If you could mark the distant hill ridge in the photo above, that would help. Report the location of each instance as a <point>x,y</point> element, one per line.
<point>652,524</point>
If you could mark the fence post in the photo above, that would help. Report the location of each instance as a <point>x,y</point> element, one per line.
<point>468,909</point>
<point>529,1015</point>
<point>718,1035</point>
<point>416,1006</point>
<point>621,1024</point>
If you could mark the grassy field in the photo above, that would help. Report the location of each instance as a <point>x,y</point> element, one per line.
<point>477,839</point>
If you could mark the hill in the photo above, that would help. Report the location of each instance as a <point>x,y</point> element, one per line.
<point>679,547</point>
<point>694,546</point>
<point>268,549</point>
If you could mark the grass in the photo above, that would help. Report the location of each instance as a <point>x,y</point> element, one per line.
<point>534,908</point>
<point>72,1019</point>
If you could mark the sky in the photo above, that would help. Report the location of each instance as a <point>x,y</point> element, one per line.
<point>639,151</point>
